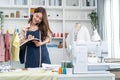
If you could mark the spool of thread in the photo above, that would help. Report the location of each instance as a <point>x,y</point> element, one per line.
<point>64,71</point>
<point>60,71</point>
<point>61,34</point>
<point>63,64</point>
<point>66,64</point>
<point>57,34</point>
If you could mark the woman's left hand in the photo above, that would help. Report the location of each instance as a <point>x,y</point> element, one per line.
<point>37,43</point>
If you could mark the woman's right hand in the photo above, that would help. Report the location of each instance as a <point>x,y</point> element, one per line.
<point>37,43</point>
<point>30,37</point>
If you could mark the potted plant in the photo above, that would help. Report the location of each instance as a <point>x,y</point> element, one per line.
<point>94,21</point>
<point>94,18</point>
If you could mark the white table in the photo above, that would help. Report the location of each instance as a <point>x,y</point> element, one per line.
<point>102,66</point>
<point>88,76</point>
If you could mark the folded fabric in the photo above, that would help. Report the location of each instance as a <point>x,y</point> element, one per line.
<point>29,75</point>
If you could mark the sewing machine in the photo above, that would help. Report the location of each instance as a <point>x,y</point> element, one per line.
<point>83,53</point>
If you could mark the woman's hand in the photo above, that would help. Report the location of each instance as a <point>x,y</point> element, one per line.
<point>37,43</point>
<point>30,37</point>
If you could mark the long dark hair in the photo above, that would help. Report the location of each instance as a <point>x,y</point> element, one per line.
<point>43,25</point>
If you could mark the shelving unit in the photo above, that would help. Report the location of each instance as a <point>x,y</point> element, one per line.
<point>62,15</point>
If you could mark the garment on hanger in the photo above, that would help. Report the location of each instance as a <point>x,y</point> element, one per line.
<point>15,46</point>
<point>2,48</point>
<point>7,46</point>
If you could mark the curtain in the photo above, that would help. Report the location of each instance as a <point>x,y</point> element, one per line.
<point>100,11</point>
<point>108,25</point>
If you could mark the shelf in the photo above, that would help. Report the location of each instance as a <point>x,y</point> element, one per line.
<point>77,19</point>
<point>62,17</point>
<point>35,6</point>
<point>89,8</point>
<point>58,49</point>
<point>62,14</point>
<point>57,38</point>
<point>19,6</point>
<point>55,8</point>
<point>81,9</point>
<point>14,6</point>
<point>58,19</point>
<point>16,18</point>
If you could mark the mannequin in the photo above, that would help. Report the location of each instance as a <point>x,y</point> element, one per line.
<point>77,27</point>
<point>76,30</point>
<point>81,33</point>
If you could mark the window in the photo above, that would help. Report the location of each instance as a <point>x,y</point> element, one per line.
<point>112,16</point>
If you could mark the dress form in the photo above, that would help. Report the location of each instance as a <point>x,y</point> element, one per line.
<point>77,28</point>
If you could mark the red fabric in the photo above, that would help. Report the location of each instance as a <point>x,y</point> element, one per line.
<point>7,46</point>
<point>2,48</point>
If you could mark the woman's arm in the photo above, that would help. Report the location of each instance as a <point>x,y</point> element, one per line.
<point>23,34</point>
<point>47,40</point>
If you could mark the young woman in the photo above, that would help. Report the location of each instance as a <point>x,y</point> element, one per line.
<point>36,51</point>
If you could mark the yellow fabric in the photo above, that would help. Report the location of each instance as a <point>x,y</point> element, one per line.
<point>29,75</point>
<point>8,30</point>
<point>15,47</point>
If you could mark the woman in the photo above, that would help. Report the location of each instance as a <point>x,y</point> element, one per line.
<point>36,51</point>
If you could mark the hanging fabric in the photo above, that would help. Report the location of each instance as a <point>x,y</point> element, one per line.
<point>15,44</point>
<point>2,48</point>
<point>7,46</point>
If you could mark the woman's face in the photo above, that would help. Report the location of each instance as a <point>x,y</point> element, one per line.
<point>37,18</point>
